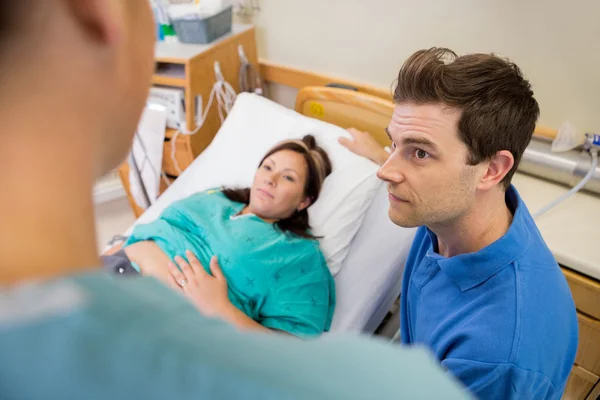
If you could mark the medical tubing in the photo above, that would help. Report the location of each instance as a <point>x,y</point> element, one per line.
<point>575,189</point>
<point>249,79</point>
<point>225,95</point>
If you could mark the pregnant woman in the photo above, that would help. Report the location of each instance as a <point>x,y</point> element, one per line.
<point>245,255</point>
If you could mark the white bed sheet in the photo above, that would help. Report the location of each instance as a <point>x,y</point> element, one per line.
<point>371,277</point>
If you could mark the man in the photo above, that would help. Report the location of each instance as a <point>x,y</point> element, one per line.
<point>74,77</point>
<point>481,288</point>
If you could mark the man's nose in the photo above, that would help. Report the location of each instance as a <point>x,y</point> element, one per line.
<point>391,170</point>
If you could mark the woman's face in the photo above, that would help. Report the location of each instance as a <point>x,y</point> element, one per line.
<point>278,187</point>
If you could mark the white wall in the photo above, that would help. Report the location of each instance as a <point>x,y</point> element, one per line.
<point>556,43</point>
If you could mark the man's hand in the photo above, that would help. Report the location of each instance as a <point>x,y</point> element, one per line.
<point>364,145</point>
<point>208,293</point>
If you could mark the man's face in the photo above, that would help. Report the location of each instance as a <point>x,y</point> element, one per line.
<point>429,182</point>
<point>131,72</point>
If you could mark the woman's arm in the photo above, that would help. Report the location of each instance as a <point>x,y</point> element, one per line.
<point>364,145</point>
<point>113,249</point>
<point>208,293</point>
<point>237,318</point>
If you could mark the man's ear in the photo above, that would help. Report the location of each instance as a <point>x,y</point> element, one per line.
<point>305,203</point>
<point>101,20</point>
<point>497,168</point>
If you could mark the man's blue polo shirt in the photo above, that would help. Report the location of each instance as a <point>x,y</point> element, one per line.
<point>502,319</point>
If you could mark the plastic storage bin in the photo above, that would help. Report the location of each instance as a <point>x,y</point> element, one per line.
<point>204,30</point>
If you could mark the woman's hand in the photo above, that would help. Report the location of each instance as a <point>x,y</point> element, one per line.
<point>363,144</point>
<point>208,293</point>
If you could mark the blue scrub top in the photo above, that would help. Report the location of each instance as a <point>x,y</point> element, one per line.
<point>502,319</point>
<point>94,337</point>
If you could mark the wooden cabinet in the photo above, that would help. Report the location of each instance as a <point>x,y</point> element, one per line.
<point>191,67</point>
<point>580,384</point>
<point>584,381</point>
<point>586,292</point>
<point>588,353</point>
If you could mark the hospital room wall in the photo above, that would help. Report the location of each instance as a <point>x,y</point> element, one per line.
<point>555,42</point>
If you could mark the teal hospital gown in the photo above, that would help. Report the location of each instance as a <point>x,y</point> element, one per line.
<point>278,279</point>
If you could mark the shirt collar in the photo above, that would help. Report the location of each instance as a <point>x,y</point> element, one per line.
<point>472,269</point>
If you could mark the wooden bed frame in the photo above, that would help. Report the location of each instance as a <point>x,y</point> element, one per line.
<point>347,109</point>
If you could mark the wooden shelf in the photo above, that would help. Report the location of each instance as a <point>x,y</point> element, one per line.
<point>168,74</point>
<point>164,80</point>
<point>183,53</point>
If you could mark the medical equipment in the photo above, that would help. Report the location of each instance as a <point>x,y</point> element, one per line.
<point>567,138</point>
<point>225,95</point>
<point>173,101</point>
<point>567,168</point>
<point>591,146</point>
<point>249,79</point>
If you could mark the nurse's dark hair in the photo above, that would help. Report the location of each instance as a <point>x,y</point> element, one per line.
<point>12,19</point>
<point>319,167</point>
<point>498,110</point>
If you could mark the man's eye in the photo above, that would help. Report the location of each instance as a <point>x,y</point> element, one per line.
<point>421,154</point>
<point>393,145</point>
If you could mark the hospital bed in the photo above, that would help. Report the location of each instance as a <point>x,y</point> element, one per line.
<point>364,249</point>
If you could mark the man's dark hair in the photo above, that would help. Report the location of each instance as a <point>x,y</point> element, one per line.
<point>498,110</point>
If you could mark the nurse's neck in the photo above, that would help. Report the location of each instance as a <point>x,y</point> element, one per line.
<point>488,220</point>
<point>46,208</point>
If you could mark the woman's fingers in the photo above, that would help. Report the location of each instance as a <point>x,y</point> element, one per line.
<point>177,275</point>
<point>195,264</point>
<point>215,268</point>
<point>172,283</point>
<point>185,267</point>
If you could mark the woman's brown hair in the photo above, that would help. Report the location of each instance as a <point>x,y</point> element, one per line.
<point>319,167</point>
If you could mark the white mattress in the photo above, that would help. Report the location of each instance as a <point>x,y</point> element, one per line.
<point>371,277</point>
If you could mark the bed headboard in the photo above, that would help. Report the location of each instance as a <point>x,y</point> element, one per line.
<point>347,109</point>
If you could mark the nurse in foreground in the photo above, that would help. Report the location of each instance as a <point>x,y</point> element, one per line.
<point>481,289</point>
<point>68,330</point>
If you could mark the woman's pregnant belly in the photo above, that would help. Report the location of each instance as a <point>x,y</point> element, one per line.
<point>153,261</point>
<point>150,258</point>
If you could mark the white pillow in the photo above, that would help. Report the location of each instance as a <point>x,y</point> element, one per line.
<point>256,124</point>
